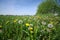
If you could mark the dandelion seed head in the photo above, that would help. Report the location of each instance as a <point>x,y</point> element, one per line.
<point>20,21</point>
<point>50,25</point>
<point>43,23</point>
<point>56,14</point>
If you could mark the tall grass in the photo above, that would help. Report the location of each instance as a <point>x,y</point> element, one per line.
<point>29,28</point>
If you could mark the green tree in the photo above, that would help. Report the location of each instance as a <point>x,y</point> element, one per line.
<point>48,6</point>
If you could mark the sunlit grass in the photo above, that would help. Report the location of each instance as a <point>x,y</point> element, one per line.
<point>41,27</point>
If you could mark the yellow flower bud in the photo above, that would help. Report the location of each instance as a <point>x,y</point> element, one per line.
<point>30,28</point>
<point>15,20</point>
<point>27,24</point>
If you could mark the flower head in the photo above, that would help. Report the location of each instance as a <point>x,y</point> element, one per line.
<point>20,21</point>
<point>30,28</point>
<point>56,14</point>
<point>43,23</point>
<point>27,24</point>
<point>15,20</point>
<point>50,25</point>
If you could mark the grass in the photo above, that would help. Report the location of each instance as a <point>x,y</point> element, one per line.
<point>42,27</point>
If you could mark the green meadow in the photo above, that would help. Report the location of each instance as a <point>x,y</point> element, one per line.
<point>29,27</point>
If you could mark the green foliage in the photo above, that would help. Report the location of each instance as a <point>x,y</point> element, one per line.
<point>48,6</point>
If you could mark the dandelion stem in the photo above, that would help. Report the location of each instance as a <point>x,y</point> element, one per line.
<point>43,38</point>
<point>49,36</point>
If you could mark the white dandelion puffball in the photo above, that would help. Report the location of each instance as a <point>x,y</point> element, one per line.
<point>43,23</point>
<point>56,14</point>
<point>20,21</point>
<point>31,24</point>
<point>50,25</point>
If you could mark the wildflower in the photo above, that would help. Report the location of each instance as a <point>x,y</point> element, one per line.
<point>27,24</point>
<point>56,14</point>
<point>43,23</point>
<point>15,20</point>
<point>20,21</point>
<point>50,25</point>
<point>30,28</point>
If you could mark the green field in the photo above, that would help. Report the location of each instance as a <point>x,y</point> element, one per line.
<point>29,27</point>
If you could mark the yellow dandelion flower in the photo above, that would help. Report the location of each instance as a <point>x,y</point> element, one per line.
<point>30,28</point>
<point>27,24</point>
<point>15,20</point>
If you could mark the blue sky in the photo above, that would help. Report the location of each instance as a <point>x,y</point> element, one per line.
<point>59,2</point>
<point>18,7</point>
